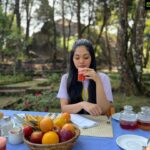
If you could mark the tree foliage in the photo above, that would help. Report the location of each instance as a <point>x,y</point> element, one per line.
<point>96,20</point>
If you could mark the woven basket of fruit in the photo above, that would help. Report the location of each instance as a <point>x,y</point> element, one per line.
<point>67,145</point>
<point>51,134</point>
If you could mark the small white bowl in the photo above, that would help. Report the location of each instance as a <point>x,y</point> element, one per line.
<point>15,136</point>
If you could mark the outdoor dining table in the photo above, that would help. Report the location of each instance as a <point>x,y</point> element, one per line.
<point>85,142</point>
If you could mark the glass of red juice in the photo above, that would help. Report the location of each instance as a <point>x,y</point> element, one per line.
<point>81,77</point>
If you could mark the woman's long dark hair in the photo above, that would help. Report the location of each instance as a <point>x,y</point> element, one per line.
<point>74,87</point>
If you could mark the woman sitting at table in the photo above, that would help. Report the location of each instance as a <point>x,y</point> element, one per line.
<point>93,95</point>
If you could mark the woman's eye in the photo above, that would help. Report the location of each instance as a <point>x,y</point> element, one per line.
<point>76,58</point>
<point>86,57</point>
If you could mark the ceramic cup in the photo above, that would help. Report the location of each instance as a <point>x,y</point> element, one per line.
<point>15,136</point>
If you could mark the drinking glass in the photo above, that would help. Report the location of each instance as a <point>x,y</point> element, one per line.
<point>81,77</point>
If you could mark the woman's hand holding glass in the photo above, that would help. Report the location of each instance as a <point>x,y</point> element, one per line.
<point>89,74</point>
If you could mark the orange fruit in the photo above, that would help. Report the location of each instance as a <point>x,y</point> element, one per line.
<point>66,116</point>
<point>59,121</point>
<point>46,124</point>
<point>50,138</point>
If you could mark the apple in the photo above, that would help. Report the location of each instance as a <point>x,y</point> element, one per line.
<point>69,126</point>
<point>65,135</point>
<point>36,137</point>
<point>27,131</point>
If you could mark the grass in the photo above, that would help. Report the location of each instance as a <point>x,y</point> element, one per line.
<point>32,83</point>
<point>120,99</point>
<point>136,101</point>
<point>9,79</point>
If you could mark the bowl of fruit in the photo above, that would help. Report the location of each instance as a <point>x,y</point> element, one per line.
<point>51,134</point>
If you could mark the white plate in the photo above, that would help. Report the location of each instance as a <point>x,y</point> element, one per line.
<point>131,142</point>
<point>116,116</point>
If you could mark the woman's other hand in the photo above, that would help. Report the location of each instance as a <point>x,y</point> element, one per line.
<point>92,109</point>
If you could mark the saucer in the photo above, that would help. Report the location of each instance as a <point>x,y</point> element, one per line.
<point>116,116</point>
<point>131,142</point>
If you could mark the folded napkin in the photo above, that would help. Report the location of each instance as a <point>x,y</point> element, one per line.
<point>83,122</point>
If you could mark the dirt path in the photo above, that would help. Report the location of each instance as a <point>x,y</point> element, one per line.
<point>4,101</point>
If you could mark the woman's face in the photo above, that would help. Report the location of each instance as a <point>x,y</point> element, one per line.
<point>82,57</point>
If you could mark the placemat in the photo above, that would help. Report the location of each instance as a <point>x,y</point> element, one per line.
<point>103,129</point>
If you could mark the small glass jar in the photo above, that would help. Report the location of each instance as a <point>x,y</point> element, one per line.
<point>6,125</point>
<point>128,118</point>
<point>144,118</point>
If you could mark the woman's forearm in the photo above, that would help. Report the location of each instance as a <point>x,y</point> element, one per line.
<point>101,98</point>
<point>72,108</point>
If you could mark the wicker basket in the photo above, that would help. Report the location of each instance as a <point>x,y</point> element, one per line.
<point>60,146</point>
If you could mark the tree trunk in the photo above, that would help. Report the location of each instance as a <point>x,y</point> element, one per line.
<point>138,35</point>
<point>78,19</point>
<point>18,44</point>
<point>130,58</point>
<point>55,38</point>
<point>127,86</point>
<point>17,12</point>
<point>146,58</point>
<point>106,15</point>
<point>108,49</point>
<point>64,36</point>
<point>28,9</point>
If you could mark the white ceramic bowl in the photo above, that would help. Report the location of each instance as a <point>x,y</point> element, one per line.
<point>15,136</point>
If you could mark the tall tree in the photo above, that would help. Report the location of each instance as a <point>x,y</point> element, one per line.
<point>64,34</point>
<point>17,12</point>
<point>46,15</point>
<point>79,18</point>
<point>130,56</point>
<point>28,6</point>
<point>55,35</point>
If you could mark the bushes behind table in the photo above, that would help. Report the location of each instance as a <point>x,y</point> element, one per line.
<point>44,101</point>
<point>52,79</point>
<point>9,79</point>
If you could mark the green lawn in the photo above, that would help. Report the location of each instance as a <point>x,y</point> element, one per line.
<point>136,101</point>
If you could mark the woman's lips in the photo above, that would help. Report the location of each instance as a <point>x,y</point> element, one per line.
<point>81,66</point>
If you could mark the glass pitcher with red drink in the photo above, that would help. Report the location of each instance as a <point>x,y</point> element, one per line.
<point>128,118</point>
<point>144,118</point>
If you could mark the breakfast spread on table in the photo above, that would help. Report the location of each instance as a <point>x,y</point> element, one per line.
<point>42,130</point>
<point>58,128</point>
